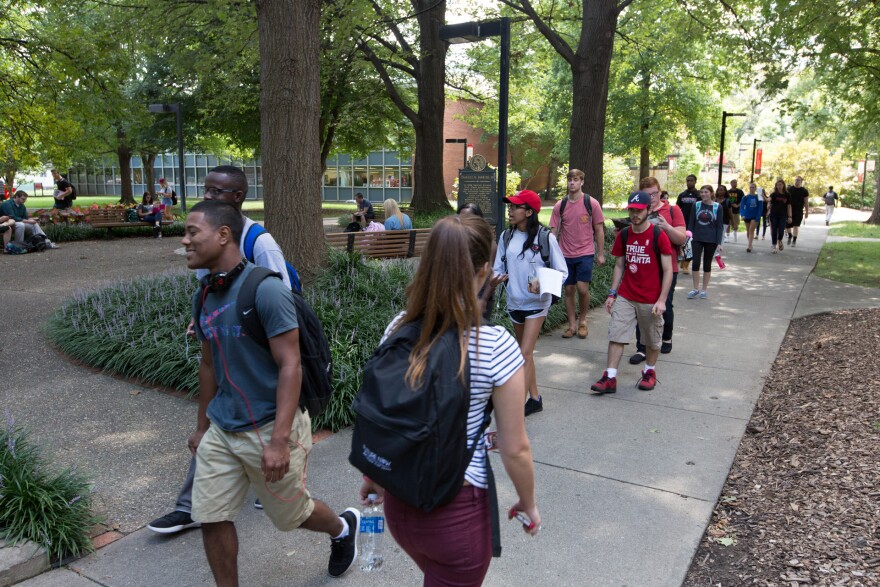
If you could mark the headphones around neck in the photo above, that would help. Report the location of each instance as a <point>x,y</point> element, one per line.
<point>219,282</point>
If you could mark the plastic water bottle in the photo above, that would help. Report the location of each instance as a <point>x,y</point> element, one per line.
<point>372,531</point>
<point>533,271</point>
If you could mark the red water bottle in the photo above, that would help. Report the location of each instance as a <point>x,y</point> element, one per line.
<point>719,260</point>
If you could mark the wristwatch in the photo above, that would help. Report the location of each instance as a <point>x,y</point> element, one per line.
<point>612,293</point>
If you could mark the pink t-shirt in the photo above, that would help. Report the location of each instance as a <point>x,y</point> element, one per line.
<point>576,237</point>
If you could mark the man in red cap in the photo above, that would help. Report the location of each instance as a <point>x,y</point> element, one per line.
<point>641,281</point>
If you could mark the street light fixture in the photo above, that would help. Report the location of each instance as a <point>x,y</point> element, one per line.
<point>724,116</point>
<point>181,179</point>
<point>468,32</point>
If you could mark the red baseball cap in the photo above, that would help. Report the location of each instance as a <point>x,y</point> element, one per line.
<point>527,197</point>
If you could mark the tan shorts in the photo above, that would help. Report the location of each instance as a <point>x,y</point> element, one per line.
<point>624,317</point>
<point>734,221</point>
<point>227,463</point>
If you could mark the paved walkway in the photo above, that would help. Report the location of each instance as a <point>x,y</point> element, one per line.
<point>626,483</point>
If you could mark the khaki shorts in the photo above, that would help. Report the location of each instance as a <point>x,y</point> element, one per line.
<point>227,463</point>
<point>624,317</point>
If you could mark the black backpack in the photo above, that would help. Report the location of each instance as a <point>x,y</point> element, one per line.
<point>316,390</point>
<point>173,198</point>
<point>413,442</point>
<point>37,242</point>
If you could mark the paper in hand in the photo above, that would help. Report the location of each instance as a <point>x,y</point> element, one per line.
<point>550,281</point>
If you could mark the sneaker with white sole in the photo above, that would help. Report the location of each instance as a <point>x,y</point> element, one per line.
<point>704,295</point>
<point>172,523</point>
<point>693,293</point>
<point>343,552</point>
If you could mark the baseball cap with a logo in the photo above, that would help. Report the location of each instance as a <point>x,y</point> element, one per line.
<point>639,200</point>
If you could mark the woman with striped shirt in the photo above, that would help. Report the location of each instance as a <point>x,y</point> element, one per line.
<point>452,544</point>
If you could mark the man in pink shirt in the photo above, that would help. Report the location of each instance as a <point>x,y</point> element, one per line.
<point>579,226</point>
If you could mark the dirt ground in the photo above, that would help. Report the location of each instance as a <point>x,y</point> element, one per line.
<point>801,505</point>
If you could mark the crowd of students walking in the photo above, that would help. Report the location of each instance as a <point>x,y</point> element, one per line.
<point>252,432</point>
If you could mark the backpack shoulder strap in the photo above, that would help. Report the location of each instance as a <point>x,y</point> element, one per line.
<point>544,244</point>
<point>506,237</point>
<point>588,204</point>
<point>657,231</point>
<point>250,239</point>
<point>247,305</point>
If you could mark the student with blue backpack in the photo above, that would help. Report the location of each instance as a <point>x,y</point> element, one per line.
<point>707,226</point>
<point>228,184</point>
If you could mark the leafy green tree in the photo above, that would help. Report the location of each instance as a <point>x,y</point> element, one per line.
<point>809,159</point>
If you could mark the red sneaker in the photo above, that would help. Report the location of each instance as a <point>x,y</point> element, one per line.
<point>606,384</point>
<point>649,380</point>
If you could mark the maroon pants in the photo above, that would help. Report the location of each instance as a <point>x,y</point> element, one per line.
<point>451,544</point>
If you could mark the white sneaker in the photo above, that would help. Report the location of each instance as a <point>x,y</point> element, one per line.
<point>693,293</point>
<point>51,245</point>
<point>704,295</point>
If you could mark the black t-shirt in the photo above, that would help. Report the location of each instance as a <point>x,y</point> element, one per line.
<point>799,198</point>
<point>736,198</point>
<point>62,185</point>
<point>725,206</point>
<point>779,203</point>
<point>686,201</point>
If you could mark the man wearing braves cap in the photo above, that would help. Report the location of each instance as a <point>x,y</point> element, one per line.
<point>641,281</point>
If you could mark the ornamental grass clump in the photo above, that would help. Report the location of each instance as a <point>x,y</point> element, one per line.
<point>49,508</point>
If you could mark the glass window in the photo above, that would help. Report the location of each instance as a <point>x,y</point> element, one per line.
<point>361,179</point>
<point>392,177</point>
<point>201,174</point>
<point>191,176</point>
<point>138,175</point>
<point>259,176</point>
<point>376,177</point>
<point>212,161</point>
<point>189,161</point>
<point>406,177</point>
<point>250,175</point>
<point>331,176</point>
<point>201,161</point>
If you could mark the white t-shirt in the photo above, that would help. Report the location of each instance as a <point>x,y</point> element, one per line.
<point>517,284</point>
<point>492,362</point>
<point>267,254</point>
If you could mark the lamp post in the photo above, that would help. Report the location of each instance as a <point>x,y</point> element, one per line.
<point>865,178</point>
<point>460,141</point>
<point>468,32</point>
<point>724,116</point>
<point>754,150</point>
<point>181,179</point>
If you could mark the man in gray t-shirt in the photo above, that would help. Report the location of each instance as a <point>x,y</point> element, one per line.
<point>251,431</point>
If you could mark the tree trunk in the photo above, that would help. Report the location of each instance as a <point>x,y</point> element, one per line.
<point>290,140</point>
<point>428,191</point>
<point>590,71</point>
<point>875,215</point>
<point>149,160</point>
<point>123,153</point>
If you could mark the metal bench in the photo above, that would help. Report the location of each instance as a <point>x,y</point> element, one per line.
<point>388,244</point>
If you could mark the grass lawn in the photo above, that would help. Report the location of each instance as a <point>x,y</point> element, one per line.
<point>857,263</point>
<point>854,229</point>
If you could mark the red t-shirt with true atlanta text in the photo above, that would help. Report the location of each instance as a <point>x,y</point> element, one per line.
<point>641,270</point>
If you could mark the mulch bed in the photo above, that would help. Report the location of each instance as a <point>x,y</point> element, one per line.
<point>801,505</point>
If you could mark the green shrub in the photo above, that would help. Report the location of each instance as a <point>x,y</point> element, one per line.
<point>51,509</point>
<point>131,327</point>
<point>61,233</point>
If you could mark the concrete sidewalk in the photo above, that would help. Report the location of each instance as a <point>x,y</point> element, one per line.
<point>626,483</point>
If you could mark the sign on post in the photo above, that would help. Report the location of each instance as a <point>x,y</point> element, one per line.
<point>758,156</point>
<point>476,185</point>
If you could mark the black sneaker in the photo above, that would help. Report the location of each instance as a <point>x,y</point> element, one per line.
<point>157,231</point>
<point>344,552</point>
<point>666,347</point>
<point>534,406</point>
<point>172,523</point>
<point>637,358</point>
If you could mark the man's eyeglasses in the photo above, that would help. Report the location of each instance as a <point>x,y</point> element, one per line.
<point>214,192</point>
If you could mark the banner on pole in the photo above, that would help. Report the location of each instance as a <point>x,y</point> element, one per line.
<point>758,157</point>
